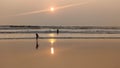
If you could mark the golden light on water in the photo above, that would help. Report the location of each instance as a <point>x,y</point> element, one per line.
<point>52,41</point>
<point>52,50</point>
<point>52,35</point>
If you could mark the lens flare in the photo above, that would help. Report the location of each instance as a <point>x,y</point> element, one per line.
<point>52,50</point>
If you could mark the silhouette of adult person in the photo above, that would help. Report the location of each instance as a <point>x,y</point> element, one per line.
<point>57,31</point>
<point>37,37</point>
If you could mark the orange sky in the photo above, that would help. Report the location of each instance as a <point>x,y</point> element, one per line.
<point>95,12</point>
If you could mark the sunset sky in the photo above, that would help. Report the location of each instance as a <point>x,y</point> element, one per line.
<point>53,53</point>
<point>89,12</point>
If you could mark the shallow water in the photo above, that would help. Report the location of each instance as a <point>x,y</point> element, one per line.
<point>68,54</point>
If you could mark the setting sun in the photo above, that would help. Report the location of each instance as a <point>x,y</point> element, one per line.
<point>52,9</point>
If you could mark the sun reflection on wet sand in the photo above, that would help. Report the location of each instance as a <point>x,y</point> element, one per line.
<point>52,41</point>
<point>52,50</point>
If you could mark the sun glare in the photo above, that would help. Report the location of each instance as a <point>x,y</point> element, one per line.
<point>52,9</point>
